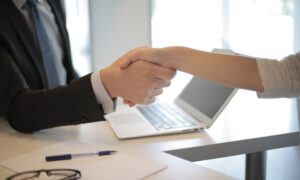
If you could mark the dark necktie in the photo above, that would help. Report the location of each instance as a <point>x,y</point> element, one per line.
<point>43,42</point>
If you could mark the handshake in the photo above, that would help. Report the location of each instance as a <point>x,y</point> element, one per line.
<point>142,73</point>
<point>138,76</point>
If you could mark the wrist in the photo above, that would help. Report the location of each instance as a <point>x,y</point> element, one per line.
<point>108,81</point>
<point>166,55</point>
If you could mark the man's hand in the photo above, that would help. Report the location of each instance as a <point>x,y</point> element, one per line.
<point>139,83</point>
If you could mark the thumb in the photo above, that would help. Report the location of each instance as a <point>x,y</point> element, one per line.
<point>132,56</point>
<point>126,62</point>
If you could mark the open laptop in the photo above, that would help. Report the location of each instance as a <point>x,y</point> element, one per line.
<point>196,107</point>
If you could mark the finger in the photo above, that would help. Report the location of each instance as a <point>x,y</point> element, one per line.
<point>125,101</point>
<point>159,83</point>
<point>163,73</point>
<point>129,103</point>
<point>155,92</point>
<point>149,100</point>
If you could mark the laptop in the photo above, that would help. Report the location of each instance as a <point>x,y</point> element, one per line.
<point>196,107</point>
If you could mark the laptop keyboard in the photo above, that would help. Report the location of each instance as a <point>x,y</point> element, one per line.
<point>164,116</point>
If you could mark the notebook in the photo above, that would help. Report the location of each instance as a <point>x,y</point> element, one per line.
<point>196,107</point>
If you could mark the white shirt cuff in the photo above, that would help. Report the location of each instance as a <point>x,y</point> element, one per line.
<point>101,94</point>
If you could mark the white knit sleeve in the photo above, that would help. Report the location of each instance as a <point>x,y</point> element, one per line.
<point>280,78</point>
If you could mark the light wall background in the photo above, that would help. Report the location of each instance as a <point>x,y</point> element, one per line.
<point>296,25</point>
<point>116,27</point>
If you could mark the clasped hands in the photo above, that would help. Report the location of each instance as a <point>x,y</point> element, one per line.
<point>137,77</point>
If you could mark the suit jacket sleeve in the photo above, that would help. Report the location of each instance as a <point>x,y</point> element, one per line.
<point>31,110</point>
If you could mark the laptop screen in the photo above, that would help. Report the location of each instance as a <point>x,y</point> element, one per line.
<point>205,98</point>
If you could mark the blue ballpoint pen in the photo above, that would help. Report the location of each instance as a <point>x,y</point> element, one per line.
<point>71,156</point>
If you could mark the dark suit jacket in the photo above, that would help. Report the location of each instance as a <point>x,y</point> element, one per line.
<point>24,99</point>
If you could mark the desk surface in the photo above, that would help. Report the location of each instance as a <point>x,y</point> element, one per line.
<point>257,125</point>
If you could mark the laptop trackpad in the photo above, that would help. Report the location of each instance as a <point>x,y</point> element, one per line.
<point>129,124</point>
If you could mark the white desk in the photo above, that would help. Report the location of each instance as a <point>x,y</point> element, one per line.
<point>14,144</point>
<point>248,126</point>
<point>255,127</point>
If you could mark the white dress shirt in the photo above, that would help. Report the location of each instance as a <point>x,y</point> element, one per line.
<point>280,78</point>
<point>48,18</point>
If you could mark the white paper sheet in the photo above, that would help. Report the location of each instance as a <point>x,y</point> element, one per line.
<point>111,167</point>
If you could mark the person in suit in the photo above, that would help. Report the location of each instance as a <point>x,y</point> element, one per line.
<point>36,93</point>
<point>270,78</point>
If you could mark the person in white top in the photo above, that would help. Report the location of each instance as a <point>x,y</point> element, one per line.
<point>268,77</point>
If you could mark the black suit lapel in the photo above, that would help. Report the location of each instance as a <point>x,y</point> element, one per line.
<point>24,33</point>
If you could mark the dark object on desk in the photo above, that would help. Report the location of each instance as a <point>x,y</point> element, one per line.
<point>71,156</point>
<point>70,174</point>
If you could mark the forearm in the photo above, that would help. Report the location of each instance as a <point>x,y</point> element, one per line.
<point>66,105</point>
<point>29,110</point>
<point>230,70</point>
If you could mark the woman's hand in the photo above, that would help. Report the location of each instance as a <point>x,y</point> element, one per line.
<point>153,55</point>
